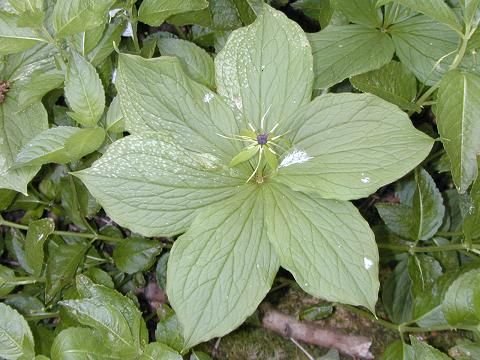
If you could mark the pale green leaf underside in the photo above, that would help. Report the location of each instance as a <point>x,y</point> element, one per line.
<point>265,70</point>
<point>84,91</point>
<point>157,95</point>
<point>53,145</point>
<point>155,12</point>
<point>425,47</point>
<point>197,63</point>
<point>436,9</point>
<point>221,268</point>
<point>349,145</point>
<point>17,128</point>
<point>16,339</point>
<point>325,244</point>
<point>14,39</point>
<point>363,12</point>
<point>76,343</point>
<point>343,51</point>
<point>392,82</point>
<point>457,117</point>
<point>154,187</point>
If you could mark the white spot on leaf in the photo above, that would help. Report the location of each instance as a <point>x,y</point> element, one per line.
<point>208,97</point>
<point>367,263</point>
<point>365,179</point>
<point>295,157</point>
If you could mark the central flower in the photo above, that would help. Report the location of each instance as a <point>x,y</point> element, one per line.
<point>262,139</point>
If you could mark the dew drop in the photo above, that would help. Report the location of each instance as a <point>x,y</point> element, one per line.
<point>207,98</point>
<point>367,263</point>
<point>340,46</point>
<point>365,179</point>
<point>306,284</point>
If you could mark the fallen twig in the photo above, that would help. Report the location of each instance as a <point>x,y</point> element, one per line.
<point>290,327</point>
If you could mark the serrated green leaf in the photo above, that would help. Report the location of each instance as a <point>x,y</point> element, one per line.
<point>15,39</point>
<point>461,304</point>
<point>343,51</point>
<point>392,82</point>
<point>249,74</point>
<point>314,236</point>
<point>125,306</point>
<point>363,12</point>
<point>16,339</point>
<point>84,91</point>
<point>74,16</point>
<point>425,47</point>
<point>169,330</point>
<point>5,275</point>
<point>60,145</point>
<point>150,91</point>
<point>16,130</point>
<point>77,343</point>
<point>196,62</point>
<point>155,351</point>
<point>38,232</point>
<point>396,294</point>
<point>62,264</point>
<point>342,139</point>
<point>155,12</point>
<point>165,173</point>
<point>423,351</point>
<point>457,109</point>
<point>115,121</point>
<point>136,254</point>
<point>221,268</point>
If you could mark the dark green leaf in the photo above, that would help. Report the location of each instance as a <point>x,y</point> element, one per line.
<point>136,254</point>
<point>155,12</point>
<point>343,51</point>
<point>423,351</point>
<point>169,330</point>
<point>6,274</point>
<point>155,351</point>
<point>471,224</point>
<point>37,234</point>
<point>311,8</point>
<point>392,82</point>
<point>363,12</point>
<point>457,109</point>
<point>397,294</point>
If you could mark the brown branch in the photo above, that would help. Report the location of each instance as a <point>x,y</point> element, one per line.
<point>290,327</point>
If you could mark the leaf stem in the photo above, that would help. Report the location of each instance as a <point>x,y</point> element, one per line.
<point>41,315</point>
<point>421,249</point>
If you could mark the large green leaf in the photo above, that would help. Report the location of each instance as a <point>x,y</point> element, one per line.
<point>461,304</point>
<point>154,187</point>
<point>326,244</point>
<point>397,294</point>
<point>395,13</point>
<point>84,91</point>
<point>425,47</point>
<point>197,63</point>
<point>16,130</point>
<point>157,95</point>
<point>74,16</point>
<point>77,343</point>
<point>60,145</point>
<point>349,145</point>
<point>392,82</point>
<point>435,9</point>
<point>265,70</point>
<point>38,232</point>
<point>13,38</point>
<point>343,51</point>
<point>16,339</point>
<point>363,12</point>
<point>457,118</point>
<point>221,268</point>
<point>155,12</point>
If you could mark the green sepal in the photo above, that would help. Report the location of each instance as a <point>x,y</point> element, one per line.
<point>244,155</point>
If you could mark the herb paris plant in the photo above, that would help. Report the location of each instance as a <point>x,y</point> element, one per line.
<point>175,174</point>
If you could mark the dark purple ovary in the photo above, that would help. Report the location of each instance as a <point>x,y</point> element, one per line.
<point>262,139</point>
